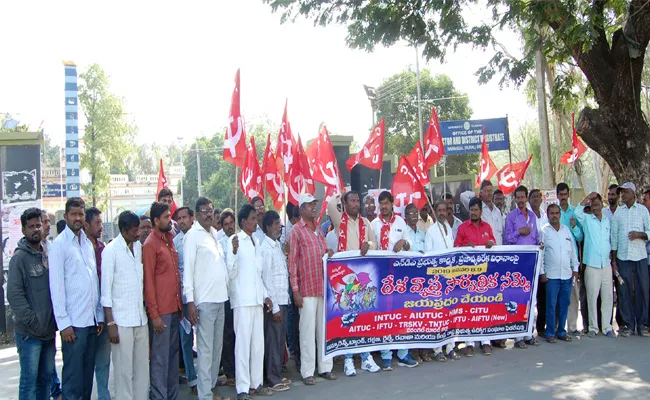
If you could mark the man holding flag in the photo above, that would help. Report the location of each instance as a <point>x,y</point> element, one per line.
<point>354,233</point>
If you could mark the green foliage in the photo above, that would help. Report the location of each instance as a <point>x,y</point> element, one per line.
<point>397,103</point>
<point>107,134</point>
<point>51,153</point>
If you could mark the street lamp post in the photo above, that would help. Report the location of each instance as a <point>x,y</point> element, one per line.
<point>371,92</point>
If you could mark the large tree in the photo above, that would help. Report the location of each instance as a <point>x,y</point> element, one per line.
<point>397,103</point>
<point>607,40</point>
<point>107,133</point>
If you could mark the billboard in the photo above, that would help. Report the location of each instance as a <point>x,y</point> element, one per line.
<point>466,136</point>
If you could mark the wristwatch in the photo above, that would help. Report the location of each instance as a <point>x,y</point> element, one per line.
<point>111,323</point>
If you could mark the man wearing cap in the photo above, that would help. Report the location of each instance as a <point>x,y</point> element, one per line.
<point>307,246</point>
<point>630,232</point>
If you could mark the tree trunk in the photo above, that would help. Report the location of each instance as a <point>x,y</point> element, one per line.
<point>547,167</point>
<point>617,129</point>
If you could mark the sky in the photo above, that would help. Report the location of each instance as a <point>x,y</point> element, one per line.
<point>174,65</point>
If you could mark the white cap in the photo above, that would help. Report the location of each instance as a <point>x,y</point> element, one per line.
<point>305,198</point>
<point>628,185</point>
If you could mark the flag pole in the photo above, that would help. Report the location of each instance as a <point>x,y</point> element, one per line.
<point>236,192</point>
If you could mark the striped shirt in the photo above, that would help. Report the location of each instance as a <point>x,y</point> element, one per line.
<point>123,283</point>
<point>74,284</point>
<point>626,220</point>
<point>274,273</point>
<point>307,248</point>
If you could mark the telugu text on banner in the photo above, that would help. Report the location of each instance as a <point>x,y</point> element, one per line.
<point>391,301</point>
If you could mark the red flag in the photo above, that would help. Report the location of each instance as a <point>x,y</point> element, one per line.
<point>300,177</point>
<point>162,184</point>
<point>272,176</point>
<point>578,147</point>
<point>407,188</point>
<point>234,146</point>
<point>251,178</point>
<point>372,153</point>
<point>416,159</point>
<point>511,175</point>
<point>322,160</point>
<point>487,168</point>
<point>329,192</point>
<point>434,148</point>
<point>285,149</point>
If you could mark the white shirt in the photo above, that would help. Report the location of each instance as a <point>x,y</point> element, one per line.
<point>245,269</point>
<point>493,216</point>
<point>122,283</point>
<point>259,234</point>
<point>205,277</point>
<point>541,221</point>
<point>220,234</point>
<point>560,258</point>
<point>607,212</point>
<point>332,240</point>
<point>436,239</point>
<point>275,273</point>
<point>398,231</point>
<point>454,229</point>
<point>74,284</point>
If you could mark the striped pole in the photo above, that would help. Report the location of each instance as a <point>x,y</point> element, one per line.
<point>73,184</point>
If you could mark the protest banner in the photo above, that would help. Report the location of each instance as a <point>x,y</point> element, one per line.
<point>409,300</point>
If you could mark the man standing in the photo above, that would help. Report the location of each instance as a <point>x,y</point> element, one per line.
<point>28,292</point>
<point>184,218</point>
<point>521,229</point>
<point>354,233</point>
<point>55,384</point>
<point>74,287</point>
<point>369,208</point>
<point>162,292</point>
<point>412,219</point>
<point>205,280</point>
<point>167,197</point>
<point>452,220</point>
<point>216,220</point>
<point>535,201</point>
<point>630,231</point>
<point>307,248</point>
<point>276,280</point>
<point>389,228</point>
<point>559,268</point>
<point>646,203</point>
<point>145,228</point>
<point>258,205</point>
<point>93,227</point>
<point>567,219</point>
<point>475,232</point>
<point>500,201</point>
<point>394,236</point>
<point>424,218</point>
<point>439,237</point>
<point>248,297</point>
<point>123,301</point>
<point>598,271</point>
<point>489,213</point>
<point>228,352</point>
<point>613,196</point>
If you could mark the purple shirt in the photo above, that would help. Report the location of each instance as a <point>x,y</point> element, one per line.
<point>516,220</point>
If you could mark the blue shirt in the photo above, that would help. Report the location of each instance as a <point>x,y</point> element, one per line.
<point>418,239</point>
<point>178,243</point>
<point>565,219</point>
<point>74,284</point>
<point>596,236</point>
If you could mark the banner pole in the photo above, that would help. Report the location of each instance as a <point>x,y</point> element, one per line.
<point>380,171</point>
<point>236,192</point>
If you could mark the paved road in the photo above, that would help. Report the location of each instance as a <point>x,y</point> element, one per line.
<point>598,368</point>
